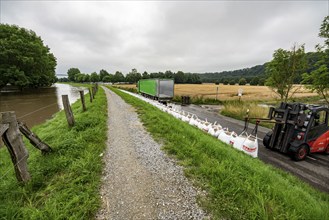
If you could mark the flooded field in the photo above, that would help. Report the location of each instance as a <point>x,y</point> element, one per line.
<point>35,106</point>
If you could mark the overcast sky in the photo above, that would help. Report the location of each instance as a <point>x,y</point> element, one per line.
<point>153,36</point>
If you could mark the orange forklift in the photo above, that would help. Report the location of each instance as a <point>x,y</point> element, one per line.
<point>300,129</point>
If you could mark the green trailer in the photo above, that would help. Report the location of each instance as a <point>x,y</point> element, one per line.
<point>159,89</point>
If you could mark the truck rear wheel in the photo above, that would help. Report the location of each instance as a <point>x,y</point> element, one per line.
<point>301,153</point>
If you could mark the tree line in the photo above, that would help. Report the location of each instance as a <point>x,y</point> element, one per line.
<point>75,75</point>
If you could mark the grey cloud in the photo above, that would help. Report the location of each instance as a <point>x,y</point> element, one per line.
<point>191,36</point>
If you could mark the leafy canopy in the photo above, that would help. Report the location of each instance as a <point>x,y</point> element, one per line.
<point>318,79</point>
<point>24,60</point>
<point>284,69</point>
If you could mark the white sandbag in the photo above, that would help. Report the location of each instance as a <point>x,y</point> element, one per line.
<point>238,142</point>
<point>193,121</point>
<point>225,136</point>
<point>206,126</point>
<point>218,130</point>
<point>250,146</point>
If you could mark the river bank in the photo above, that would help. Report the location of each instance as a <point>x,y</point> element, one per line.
<point>65,183</point>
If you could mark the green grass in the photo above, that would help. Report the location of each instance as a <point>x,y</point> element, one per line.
<point>237,186</point>
<point>65,183</point>
<point>238,110</point>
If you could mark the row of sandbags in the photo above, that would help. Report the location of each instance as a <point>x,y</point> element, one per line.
<point>245,142</point>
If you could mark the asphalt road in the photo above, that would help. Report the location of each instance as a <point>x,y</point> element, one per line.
<point>313,170</point>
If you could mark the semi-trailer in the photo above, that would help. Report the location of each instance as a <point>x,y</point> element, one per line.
<point>158,89</point>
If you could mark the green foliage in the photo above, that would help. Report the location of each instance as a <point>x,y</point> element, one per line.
<point>324,30</point>
<point>72,72</point>
<point>102,73</point>
<point>24,60</point>
<point>94,77</point>
<point>242,82</point>
<point>284,69</point>
<point>225,82</point>
<point>65,183</point>
<point>145,75</point>
<point>254,81</point>
<point>118,77</point>
<point>237,186</point>
<point>232,82</point>
<point>318,79</point>
<point>133,77</point>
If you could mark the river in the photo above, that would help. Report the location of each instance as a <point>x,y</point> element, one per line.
<point>35,106</point>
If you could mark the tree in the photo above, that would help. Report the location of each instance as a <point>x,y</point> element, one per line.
<point>284,69</point>
<point>242,81</point>
<point>145,75</point>
<point>108,78</point>
<point>179,77</point>
<point>225,81</point>
<point>133,76</point>
<point>102,74</point>
<point>94,77</point>
<point>318,79</point>
<point>24,60</point>
<point>71,73</point>
<point>118,77</point>
<point>232,82</point>
<point>254,81</point>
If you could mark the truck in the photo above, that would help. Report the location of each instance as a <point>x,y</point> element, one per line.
<point>299,129</point>
<point>157,89</point>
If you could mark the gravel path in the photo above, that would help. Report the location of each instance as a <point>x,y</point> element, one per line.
<point>139,180</point>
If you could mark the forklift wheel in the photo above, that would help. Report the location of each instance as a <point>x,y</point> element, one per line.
<point>301,153</point>
<point>327,150</point>
<point>267,139</point>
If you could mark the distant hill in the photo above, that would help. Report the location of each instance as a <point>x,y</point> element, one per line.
<point>252,72</point>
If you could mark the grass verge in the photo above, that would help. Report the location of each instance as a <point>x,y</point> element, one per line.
<point>65,183</point>
<point>238,109</point>
<point>238,186</point>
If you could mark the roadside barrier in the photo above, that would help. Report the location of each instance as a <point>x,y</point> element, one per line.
<point>245,142</point>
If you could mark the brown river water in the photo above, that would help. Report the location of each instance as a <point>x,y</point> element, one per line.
<point>35,106</point>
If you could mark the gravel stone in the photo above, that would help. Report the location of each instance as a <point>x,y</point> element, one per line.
<point>139,180</point>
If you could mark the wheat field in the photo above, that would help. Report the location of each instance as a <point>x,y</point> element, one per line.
<point>230,92</point>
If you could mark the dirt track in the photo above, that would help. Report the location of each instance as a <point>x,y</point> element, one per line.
<point>314,170</point>
<point>139,180</point>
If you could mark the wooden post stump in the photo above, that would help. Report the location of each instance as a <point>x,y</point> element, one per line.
<point>68,110</point>
<point>14,143</point>
<point>82,97</point>
<point>94,92</point>
<point>90,95</point>
<point>33,138</point>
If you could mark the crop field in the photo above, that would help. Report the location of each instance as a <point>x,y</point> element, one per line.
<point>230,92</point>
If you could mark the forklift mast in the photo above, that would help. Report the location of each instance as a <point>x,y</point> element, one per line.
<point>287,117</point>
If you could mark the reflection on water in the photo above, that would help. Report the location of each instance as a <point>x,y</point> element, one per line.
<point>35,106</point>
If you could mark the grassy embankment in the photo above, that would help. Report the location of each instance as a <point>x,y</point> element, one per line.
<point>238,186</point>
<point>65,183</point>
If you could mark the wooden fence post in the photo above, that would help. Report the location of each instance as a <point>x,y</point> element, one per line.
<point>14,143</point>
<point>94,92</point>
<point>33,138</point>
<point>82,97</point>
<point>90,95</point>
<point>68,110</point>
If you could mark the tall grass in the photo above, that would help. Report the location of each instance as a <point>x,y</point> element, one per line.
<point>238,110</point>
<point>237,186</point>
<point>65,183</point>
